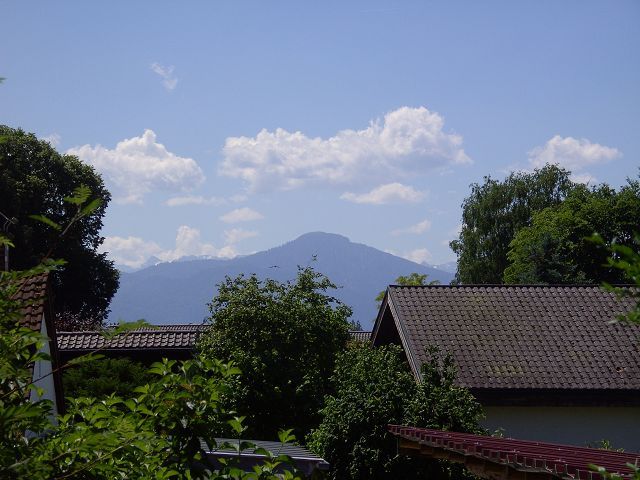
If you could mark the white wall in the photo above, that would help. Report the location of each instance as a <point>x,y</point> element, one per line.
<point>571,425</point>
<point>42,368</point>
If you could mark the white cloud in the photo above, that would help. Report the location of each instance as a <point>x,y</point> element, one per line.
<point>585,178</point>
<point>409,141</point>
<point>134,251</point>
<point>138,165</point>
<point>53,139</point>
<point>194,200</point>
<point>420,255</point>
<point>235,235</point>
<point>416,229</point>
<point>169,80</point>
<point>130,251</point>
<point>572,153</point>
<point>389,193</point>
<point>244,214</point>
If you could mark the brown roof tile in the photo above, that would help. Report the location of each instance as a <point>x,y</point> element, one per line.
<point>523,336</point>
<point>163,336</point>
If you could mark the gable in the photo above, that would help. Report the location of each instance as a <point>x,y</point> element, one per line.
<point>519,337</point>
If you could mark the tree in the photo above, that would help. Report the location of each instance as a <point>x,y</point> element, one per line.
<point>35,180</point>
<point>103,377</point>
<point>557,247</point>
<point>415,279</point>
<point>495,211</point>
<point>374,388</point>
<point>284,337</point>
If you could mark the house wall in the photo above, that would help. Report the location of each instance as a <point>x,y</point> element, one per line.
<point>42,369</point>
<point>581,426</point>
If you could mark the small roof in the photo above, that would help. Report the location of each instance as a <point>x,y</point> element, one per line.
<point>506,458</point>
<point>302,458</point>
<point>360,335</point>
<point>146,338</point>
<point>518,336</point>
<point>32,295</point>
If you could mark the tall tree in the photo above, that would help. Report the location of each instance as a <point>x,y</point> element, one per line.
<point>35,180</point>
<point>556,247</point>
<point>284,337</point>
<point>494,212</point>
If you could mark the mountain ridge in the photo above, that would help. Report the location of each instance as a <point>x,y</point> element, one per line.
<point>178,292</point>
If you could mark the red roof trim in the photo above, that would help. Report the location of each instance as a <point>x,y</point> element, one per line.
<point>561,461</point>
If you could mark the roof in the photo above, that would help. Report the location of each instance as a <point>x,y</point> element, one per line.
<point>485,455</point>
<point>155,337</point>
<point>518,336</point>
<point>360,335</point>
<point>32,295</point>
<point>302,458</point>
<point>147,338</point>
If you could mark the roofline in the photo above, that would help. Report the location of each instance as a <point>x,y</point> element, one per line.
<point>388,302</point>
<point>516,285</point>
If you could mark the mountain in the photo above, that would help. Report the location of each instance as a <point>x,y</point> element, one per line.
<point>178,292</point>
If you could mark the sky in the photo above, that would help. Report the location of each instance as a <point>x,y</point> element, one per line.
<point>226,128</point>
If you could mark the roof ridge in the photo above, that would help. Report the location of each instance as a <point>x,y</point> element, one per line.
<point>515,285</point>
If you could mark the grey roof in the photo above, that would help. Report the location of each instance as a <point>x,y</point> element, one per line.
<point>162,336</point>
<point>360,335</point>
<point>546,337</point>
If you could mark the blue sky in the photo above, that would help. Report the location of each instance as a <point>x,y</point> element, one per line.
<point>224,128</point>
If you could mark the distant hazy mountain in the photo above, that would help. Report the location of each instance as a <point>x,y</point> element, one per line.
<point>450,267</point>
<point>178,292</point>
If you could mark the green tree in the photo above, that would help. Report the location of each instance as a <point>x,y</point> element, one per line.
<point>495,211</point>
<point>284,337</point>
<point>415,279</point>
<point>557,248</point>
<point>35,180</point>
<point>374,388</point>
<point>103,377</point>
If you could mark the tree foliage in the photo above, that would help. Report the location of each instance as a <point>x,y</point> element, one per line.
<point>495,211</point>
<point>415,279</point>
<point>374,388</point>
<point>35,180</point>
<point>557,248</point>
<point>284,337</point>
<point>103,377</point>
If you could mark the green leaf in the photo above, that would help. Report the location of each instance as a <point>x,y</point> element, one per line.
<point>46,221</point>
<point>90,207</point>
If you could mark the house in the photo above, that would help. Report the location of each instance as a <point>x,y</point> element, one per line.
<point>145,345</point>
<point>548,363</point>
<point>37,314</point>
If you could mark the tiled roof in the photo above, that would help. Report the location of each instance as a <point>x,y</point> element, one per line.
<point>522,336</point>
<point>163,336</point>
<point>513,458</point>
<point>32,295</point>
<point>360,335</point>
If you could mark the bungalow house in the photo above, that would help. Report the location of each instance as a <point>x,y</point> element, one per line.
<point>37,315</point>
<point>548,363</point>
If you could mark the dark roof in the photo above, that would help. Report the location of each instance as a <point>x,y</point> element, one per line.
<point>160,337</point>
<point>360,335</point>
<point>510,456</point>
<point>510,337</point>
<point>302,458</point>
<point>32,295</point>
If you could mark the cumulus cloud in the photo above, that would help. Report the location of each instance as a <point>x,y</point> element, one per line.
<point>244,214</point>
<point>572,153</point>
<point>419,255</point>
<point>140,164</point>
<point>194,200</point>
<point>53,139</point>
<point>416,229</point>
<point>236,235</point>
<point>408,141</point>
<point>134,251</point>
<point>389,193</point>
<point>169,80</point>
